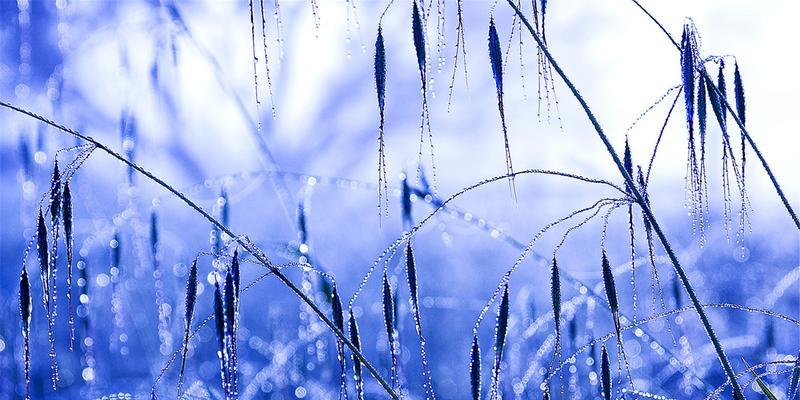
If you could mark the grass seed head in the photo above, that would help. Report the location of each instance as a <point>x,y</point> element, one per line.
<point>496,56</point>
<point>380,68</point>
<point>605,372</point>
<point>475,368</point>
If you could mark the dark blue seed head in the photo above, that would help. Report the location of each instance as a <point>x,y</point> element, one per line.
<point>475,369</point>
<point>722,90</point>
<point>496,56</point>
<point>191,294</point>
<point>55,194</point>
<point>25,301</point>
<point>405,203</point>
<point>701,110</point>
<point>687,74</point>
<point>608,282</point>
<point>555,292</point>
<point>41,242</point>
<point>336,308</point>
<point>411,271</point>
<point>388,308</point>
<point>627,161</point>
<point>380,68</point>
<point>66,211</point>
<point>219,318</point>
<point>230,306</point>
<point>605,372</point>
<point>738,91</point>
<point>236,272</point>
<point>419,40</point>
<point>502,325</point>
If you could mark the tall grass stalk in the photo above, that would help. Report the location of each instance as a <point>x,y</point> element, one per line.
<point>244,241</point>
<point>645,207</point>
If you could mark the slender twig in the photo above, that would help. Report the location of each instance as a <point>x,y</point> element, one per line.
<point>242,240</point>
<point>642,203</point>
<point>735,116</point>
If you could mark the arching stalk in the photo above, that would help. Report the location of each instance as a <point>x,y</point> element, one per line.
<point>737,392</point>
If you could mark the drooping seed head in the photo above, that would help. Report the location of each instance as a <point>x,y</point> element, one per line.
<point>67,218</point>
<point>41,244</point>
<point>502,326</point>
<point>380,68</point>
<point>411,271</point>
<point>475,368</point>
<point>25,301</point>
<point>419,40</point>
<point>191,294</point>
<point>627,161</point>
<point>555,291</point>
<point>701,110</point>
<point>336,308</point>
<point>605,372</point>
<point>236,272</point>
<point>495,56</point>
<point>608,282</point>
<point>230,306</point>
<point>687,74</point>
<point>356,341</point>
<point>738,92</point>
<point>219,318</point>
<point>722,90</point>
<point>55,194</point>
<point>388,308</point>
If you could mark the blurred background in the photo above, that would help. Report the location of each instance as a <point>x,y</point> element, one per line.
<point>171,86</point>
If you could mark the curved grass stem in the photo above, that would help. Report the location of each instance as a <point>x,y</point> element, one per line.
<point>737,392</point>
<point>242,240</point>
